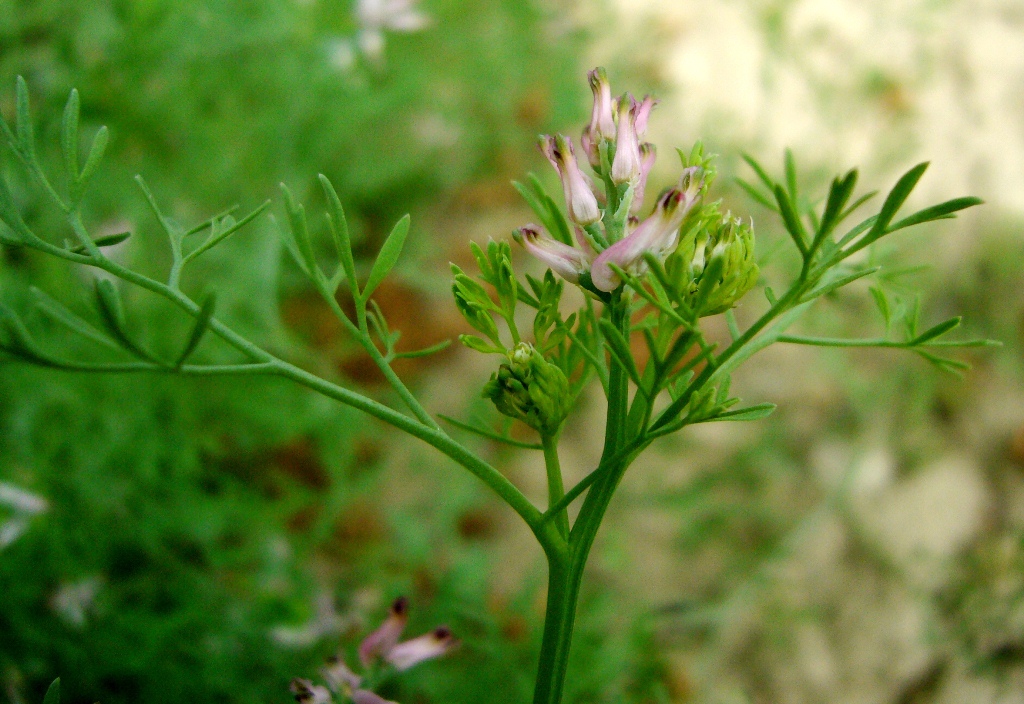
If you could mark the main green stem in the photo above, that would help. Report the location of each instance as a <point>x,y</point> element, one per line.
<point>565,566</point>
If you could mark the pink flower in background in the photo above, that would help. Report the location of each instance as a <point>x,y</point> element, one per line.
<point>382,645</point>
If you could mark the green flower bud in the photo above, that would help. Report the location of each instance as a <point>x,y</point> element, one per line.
<point>715,264</point>
<point>530,389</point>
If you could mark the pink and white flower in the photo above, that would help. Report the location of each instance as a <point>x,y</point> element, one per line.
<point>580,200</point>
<point>568,262</point>
<point>602,118</point>
<point>381,645</point>
<point>647,156</point>
<point>626,164</point>
<point>657,235</point>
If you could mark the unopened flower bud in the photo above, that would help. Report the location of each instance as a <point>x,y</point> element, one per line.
<point>731,242</point>
<point>530,389</point>
<point>568,262</point>
<point>626,164</point>
<point>657,235</point>
<point>580,200</point>
<point>602,119</point>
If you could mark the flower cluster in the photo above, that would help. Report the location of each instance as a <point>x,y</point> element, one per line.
<point>379,650</point>
<point>722,248</point>
<point>530,389</point>
<point>607,232</point>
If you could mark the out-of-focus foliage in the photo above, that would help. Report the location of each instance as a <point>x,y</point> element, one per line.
<point>210,541</point>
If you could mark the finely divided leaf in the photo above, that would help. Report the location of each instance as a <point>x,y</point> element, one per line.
<point>893,202</point>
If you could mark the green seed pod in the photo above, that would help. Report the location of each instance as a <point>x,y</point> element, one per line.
<point>530,389</point>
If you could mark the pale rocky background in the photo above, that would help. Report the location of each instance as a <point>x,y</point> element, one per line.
<point>853,607</point>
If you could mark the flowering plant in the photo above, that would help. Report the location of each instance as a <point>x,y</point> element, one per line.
<point>651,280</point>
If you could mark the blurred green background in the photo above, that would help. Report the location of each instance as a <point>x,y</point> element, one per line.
<point>169,540</point>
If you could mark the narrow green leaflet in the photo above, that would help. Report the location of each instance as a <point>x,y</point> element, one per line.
<point>112,314</point>
<point>69,136</point>
<point>882,301</point>
<point>387,258</point>
<point>105,241</point>
<point>893,202</point>
<point>791,220</point>
<point>300,234</point>
<point>490,434</point>
<point>838,194</point>
<point>20,341</point>
<point>96,151</point>
<point>757,195</point>
<point>936,331</point>
<point>790,168</point>
<point>339,229</point>
<point>936,212</point>
<point>23,120</point>
<point>561,231</point>
<point>425,352</point>
<point>198,330</point>
<point>761,410</point>
<point>221,229</point>
<point>10,216</point>
<point>759,170</point>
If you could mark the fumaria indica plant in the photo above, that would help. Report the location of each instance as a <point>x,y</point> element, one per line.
<point>650,271</point>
